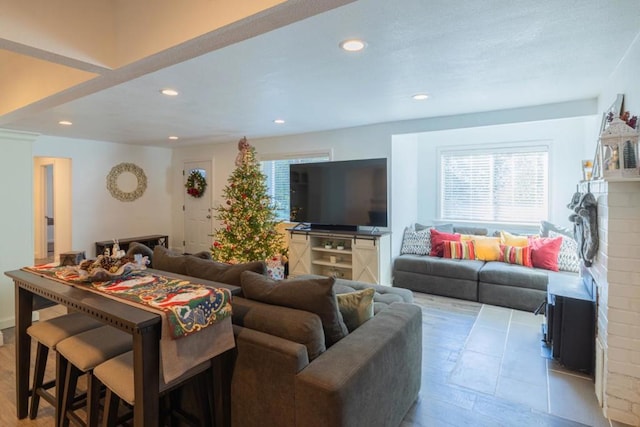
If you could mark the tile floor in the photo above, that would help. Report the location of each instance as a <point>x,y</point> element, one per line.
<point>484,365</point>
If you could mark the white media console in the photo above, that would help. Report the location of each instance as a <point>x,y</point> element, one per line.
<point>361,256</point>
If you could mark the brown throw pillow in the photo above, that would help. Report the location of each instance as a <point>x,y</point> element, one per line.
<point>220,272</point>
<point>315,295</point>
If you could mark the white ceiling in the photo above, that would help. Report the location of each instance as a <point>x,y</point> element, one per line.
<point>469,56</point>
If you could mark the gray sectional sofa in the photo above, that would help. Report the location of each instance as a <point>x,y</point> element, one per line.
<point>286,373</point>
<point>492,282</point>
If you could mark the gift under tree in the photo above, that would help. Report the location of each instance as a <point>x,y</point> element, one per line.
<point>247,215</point>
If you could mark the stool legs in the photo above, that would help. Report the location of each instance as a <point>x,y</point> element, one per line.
<point>42,353</point>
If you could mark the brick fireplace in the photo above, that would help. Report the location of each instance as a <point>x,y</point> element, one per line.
<point>616,271</point>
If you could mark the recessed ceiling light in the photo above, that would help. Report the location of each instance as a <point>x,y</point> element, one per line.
<point>173,138</point>
<point>278,121</point>
<point>420,96</point>
<point>65,123</point>
<point>353,45</point>
<point>169,92</point>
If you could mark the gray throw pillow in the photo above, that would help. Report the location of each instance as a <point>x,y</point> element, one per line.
<point>220,272</point>
<point>546,226</point>
<point>314,295</point>
<point>166,260</point>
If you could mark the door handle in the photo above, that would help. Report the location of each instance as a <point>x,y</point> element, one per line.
<point>208,216</point>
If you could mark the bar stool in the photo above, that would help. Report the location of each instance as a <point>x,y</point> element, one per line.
<point>117,375</point>
<point>78,355</point>
<point>48,333</point>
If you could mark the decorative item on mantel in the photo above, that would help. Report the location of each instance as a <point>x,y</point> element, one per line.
<point>619,150</point>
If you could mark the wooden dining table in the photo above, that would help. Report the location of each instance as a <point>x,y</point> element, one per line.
<point>144,325</point>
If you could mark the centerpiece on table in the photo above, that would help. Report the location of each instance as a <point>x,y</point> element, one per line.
<point>108,266</point>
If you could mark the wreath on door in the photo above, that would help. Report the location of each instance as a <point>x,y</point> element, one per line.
<point>196,184</point>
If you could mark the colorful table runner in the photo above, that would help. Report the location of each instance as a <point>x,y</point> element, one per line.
<point>188,307</point>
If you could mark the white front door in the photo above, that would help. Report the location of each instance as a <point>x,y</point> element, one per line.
<point>197,211</point>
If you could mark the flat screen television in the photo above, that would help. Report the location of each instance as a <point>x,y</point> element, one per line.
<point>339,195</point>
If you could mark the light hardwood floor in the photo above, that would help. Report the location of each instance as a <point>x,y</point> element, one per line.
<point>482,366</point>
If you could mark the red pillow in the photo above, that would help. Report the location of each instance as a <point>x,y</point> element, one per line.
<point>437,241</point>
<point>544,252</point>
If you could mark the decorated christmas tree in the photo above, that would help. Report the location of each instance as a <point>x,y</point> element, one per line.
<point>247,215</point>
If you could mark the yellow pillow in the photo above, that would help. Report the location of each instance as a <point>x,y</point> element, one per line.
<point>487,248</point>
<point>509,239</point>
<point>464,237</point>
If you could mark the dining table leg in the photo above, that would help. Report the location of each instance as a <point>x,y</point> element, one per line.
<point>23,309</point>
<point>146,371</point>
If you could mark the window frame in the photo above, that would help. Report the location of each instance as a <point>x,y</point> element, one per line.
<point>494,148</point>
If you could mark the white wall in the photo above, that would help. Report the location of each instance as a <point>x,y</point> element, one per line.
<point>538,122</point>
<point>404,186</point>
<point>16,219</point>
<point>95,214</point>
<point>566,139</point>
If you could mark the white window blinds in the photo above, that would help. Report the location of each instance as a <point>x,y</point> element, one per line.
<point>502,185</point>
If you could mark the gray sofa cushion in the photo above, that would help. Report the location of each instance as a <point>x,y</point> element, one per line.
<point>313,295</point>
<point>294,325</point>
<point>476,231</point>
<point>220,272</point>
<point>166,260</point>
<point>514,275</point>
<point>436,266</point>
<point>384,295</point>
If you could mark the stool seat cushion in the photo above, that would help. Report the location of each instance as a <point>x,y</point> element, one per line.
<point>51,332</point>
<point>90,348</point>
<point>117,375</point>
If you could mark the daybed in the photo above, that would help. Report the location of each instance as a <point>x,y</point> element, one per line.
<point>490,282</point>
<point>291,369</point>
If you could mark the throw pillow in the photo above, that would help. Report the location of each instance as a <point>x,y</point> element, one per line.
<point>356,307</point>
<point>313,294</point>
<point>544,252</point>
<point>221,272</point>
<point>487,248</point>
<point>516,255</point>
<point>546,227</point>
<point>447,228</point>
<point>416,242</point>
<point>509,239</point>
<point>459,250</point>
<point>437,241</point>
<point>167,260</point>
<point>568,259</point>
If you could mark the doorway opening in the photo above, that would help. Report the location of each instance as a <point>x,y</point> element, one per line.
<point>51,208</point>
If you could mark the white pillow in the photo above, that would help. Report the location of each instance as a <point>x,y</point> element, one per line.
<point>568,259</point>
<point>416,242</point>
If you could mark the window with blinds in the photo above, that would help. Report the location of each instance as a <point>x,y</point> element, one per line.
<point>277,175</point>
<point>501,185</point>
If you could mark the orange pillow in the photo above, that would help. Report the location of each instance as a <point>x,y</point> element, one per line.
<point>487,248</point>
<point>437,241</point>
<point>516,255</point>
<point>459,250</point>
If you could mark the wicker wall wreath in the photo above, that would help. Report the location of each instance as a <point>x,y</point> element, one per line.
<point>126,196</point>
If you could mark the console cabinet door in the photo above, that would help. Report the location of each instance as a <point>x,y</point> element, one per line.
<point>365,261</point>
<point>299,255</point>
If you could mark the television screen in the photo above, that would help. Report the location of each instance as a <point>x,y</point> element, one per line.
<point>344,193</point>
